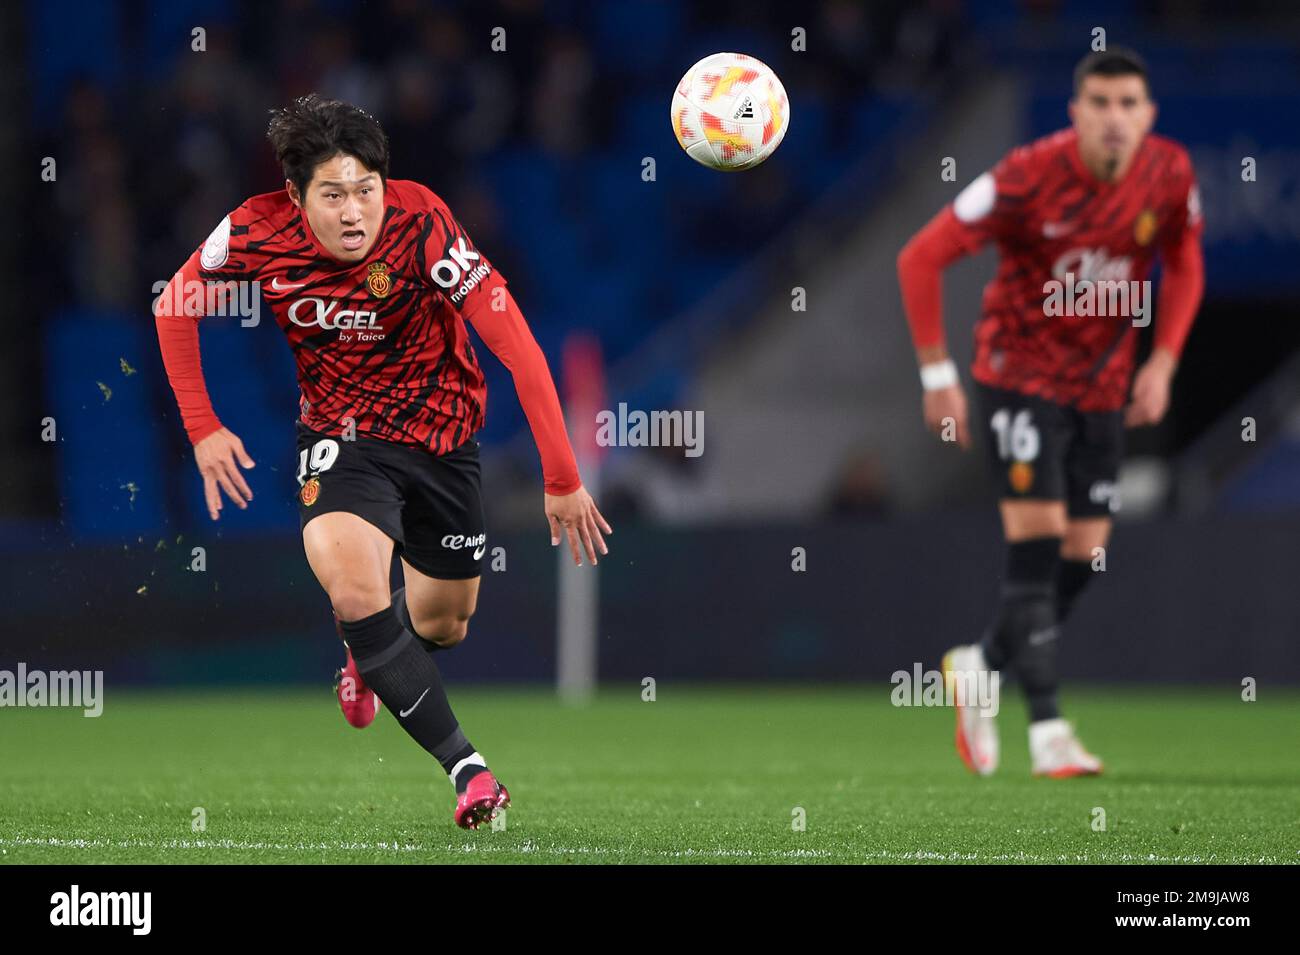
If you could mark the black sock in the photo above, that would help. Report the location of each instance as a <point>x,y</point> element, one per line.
<point>993,653</point>
<point>1024,633</point>
<point>1071,578</point>
<point>404,615</point>
<point>1031,564</point>
<point>408,682</point>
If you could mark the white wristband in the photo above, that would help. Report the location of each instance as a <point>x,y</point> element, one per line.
<point>938,374</point>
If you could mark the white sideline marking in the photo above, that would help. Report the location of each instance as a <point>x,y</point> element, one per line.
<point>917,855</point>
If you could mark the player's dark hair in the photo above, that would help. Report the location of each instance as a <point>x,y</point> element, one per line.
<point>312,130</point>
<point>1117,61</point>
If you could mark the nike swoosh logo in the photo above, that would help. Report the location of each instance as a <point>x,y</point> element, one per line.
<point>478,554</point>
<point>1039,637</point>
<point>405,713</point>
<point>275,284</point>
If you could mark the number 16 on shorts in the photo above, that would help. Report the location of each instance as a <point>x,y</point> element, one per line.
<point>1017,443</point>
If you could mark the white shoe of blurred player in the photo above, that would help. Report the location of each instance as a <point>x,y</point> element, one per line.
<point>966,673</point>
<point>1057,753</point>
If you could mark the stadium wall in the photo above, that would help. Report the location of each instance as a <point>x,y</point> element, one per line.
<point>1206,600</point>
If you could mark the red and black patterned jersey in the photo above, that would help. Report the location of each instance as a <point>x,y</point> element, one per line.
<point>1060,230</point>
<point>381,344</point>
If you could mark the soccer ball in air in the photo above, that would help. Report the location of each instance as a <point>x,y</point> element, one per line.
<point>730,112</point>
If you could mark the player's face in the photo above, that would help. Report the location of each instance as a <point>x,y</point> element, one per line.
<point>1111,115</point>
<point>344,205</point>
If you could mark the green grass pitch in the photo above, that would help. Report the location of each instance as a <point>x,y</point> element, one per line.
<point>700,775</point>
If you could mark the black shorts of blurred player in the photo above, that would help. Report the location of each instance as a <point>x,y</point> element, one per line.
<point>371,497</point>
<point>1055,468</point>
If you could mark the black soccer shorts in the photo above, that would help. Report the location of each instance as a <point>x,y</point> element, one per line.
<point>430,505</point>
<point>1042,450</point>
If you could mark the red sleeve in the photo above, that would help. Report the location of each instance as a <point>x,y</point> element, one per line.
<point>942,241</point>
<point>498,321</point>
<point>177,321</point>
<point>986,210</point>
<point>1180,293</point>
<point>1183,271</point>
<point>446,258</point>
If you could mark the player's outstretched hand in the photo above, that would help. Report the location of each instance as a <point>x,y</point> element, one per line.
<point>946,415</point>
<point>1150,391</point>
<point>576,513</point>
<point>219,456</point>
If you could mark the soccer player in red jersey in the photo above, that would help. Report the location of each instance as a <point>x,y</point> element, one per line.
<point>1079,218</point>
<point>373,282</point>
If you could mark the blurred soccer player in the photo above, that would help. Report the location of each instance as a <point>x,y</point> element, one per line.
<point>373,280</point>
<point>1079,218</point>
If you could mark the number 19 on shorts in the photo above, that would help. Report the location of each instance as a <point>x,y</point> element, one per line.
<point>319,457</point>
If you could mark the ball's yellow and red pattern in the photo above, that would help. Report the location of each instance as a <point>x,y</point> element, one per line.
<point>730,111</point>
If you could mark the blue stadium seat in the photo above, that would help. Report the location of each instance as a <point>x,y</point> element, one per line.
<point>67,39</point>
<point>166,32</point>
<point>109,443</point>
<point>637,36</point>
<point>251,379</point>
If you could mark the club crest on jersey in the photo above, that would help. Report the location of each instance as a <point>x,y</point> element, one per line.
<point>310,491</point>
<point>379,281</point>
<point>1021,476</point>
<point>1144,229</point>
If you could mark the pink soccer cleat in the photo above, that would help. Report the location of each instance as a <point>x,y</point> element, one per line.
<point>359,703</point>
<point>482,799</point>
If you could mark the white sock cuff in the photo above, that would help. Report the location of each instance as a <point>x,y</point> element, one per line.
<point>1044,730</point>
<point>473,759</point>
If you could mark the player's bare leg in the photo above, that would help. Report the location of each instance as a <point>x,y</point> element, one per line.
<point>1026,520</point>
<point>436,610</point>
<point>351,558</point>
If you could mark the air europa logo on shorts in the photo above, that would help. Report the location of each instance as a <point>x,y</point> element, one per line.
<point>463,541</point>
<point>1105,492</point>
